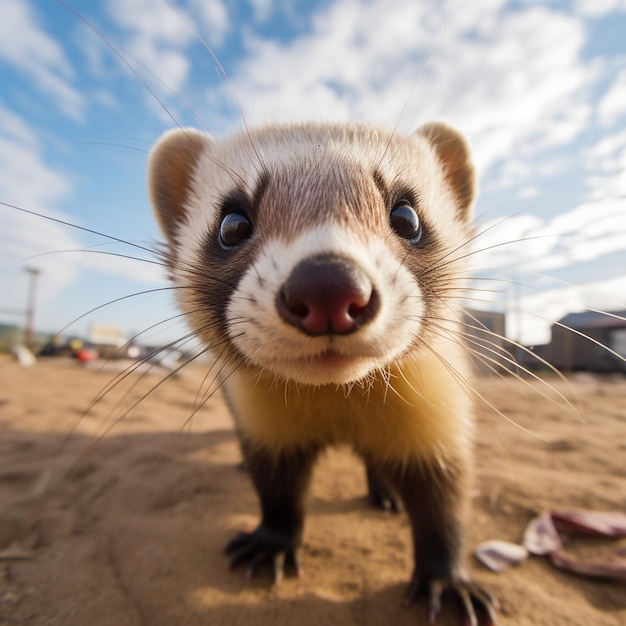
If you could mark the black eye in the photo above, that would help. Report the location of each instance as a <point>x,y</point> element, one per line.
<point>405,222</point>
<point>234,230</point>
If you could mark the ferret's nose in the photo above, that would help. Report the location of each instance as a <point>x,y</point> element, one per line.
<point>327,295</point>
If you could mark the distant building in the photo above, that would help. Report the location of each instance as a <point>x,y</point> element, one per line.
<point>106,339</point>
<point>10,335</point>
<point>484,336</point>
<point>579,342</point>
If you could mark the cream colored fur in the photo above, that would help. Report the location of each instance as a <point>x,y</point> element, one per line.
<point>391,389</point>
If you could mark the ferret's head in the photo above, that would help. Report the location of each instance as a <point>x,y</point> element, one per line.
<point>320,253</point>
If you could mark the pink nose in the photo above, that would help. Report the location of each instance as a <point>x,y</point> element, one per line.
<point>327,295</point>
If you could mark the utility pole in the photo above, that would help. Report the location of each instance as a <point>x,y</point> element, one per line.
<point>29,333</point>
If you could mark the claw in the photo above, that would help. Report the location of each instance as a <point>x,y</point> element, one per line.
<point>474,601</point>
<point>240,555</point>
<point>434,600</point>
<point>257,558</point>
<point>260,548</point>
<point>468,608</point>
<point>297,564</point>
<point>279,568</point>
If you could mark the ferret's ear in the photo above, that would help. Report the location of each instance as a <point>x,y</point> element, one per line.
<point>454,153</point>
<point>170,175</point>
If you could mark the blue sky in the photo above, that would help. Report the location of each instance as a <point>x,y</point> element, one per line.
<point>538,87</point>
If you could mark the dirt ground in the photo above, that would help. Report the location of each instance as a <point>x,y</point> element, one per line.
<point>119,517</point>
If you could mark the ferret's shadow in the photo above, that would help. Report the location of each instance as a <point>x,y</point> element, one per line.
<point>135,529</point>
<point>140,520</point>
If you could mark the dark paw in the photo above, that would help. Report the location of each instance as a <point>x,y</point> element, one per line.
<point>477,605</point>
<point>261,548</point>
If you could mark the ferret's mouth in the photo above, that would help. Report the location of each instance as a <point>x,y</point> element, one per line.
<point>333,363</point>
<point>326,367</point>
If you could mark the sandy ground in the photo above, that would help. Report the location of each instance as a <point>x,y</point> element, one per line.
<point>120,518</point>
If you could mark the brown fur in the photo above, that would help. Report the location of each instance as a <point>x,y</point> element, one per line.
<point>398,400</point>
<point>171,176</point>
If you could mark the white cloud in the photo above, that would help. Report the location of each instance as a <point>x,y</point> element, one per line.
<point>262,9</point>
<point>529,192</point>
<point>603,153</point>
<point>28,48</point>
<point>529,244</point>
<point>494,72</point>
<point>511,75</point>
<point>13,127</point>
<point>599,8</point>
<point>520,83</point>
<point>613,103</point>
<point>214,19</point>
<point>94,50</point>
<point>524,248</point>
<point>606,163</point>
<point>24,177</point>
<point>514,80</point>
<point>531,316</point>
<point>65,261</point>
<point>157,35</point>
<point>534,301</point>
<point>336,71</point>
<point>28,182</point>
<point>25,238</point>
<point>609,187</point>
<point>512,243</point>
<point>155,20</point>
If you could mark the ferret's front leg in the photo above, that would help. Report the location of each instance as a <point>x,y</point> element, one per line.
<point>436,497</point>
<point>281,479</point>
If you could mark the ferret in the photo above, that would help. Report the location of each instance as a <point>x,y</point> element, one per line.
<point>321,265</point>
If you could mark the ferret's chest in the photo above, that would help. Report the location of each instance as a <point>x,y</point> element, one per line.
<point>418,410</point>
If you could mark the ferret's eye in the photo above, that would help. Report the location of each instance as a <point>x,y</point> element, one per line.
<point>405,222</point>
<point>234,230</point>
